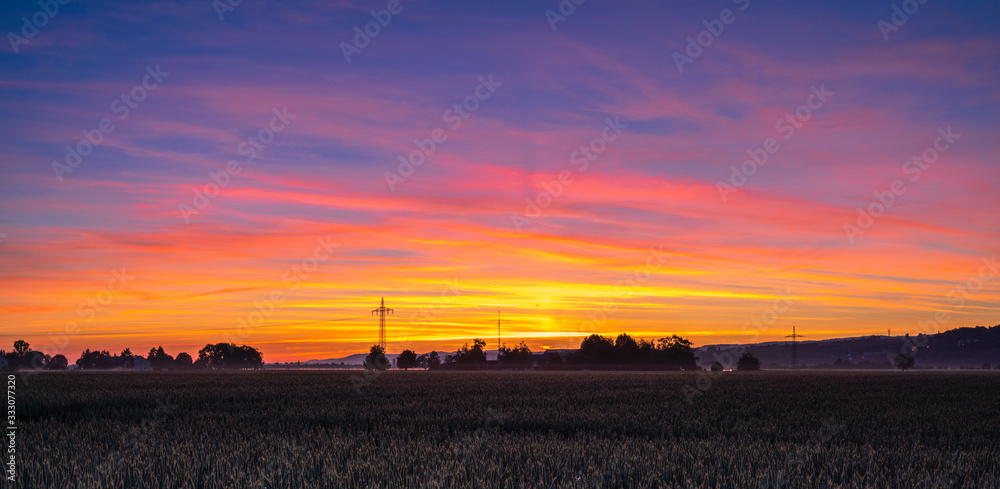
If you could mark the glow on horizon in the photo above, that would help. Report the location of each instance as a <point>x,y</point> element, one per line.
<point>442,246</point>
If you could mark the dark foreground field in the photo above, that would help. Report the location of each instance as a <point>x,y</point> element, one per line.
<point>428,429</point>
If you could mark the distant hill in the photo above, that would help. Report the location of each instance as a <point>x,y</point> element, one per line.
<point>960,347</point>
<point>355,359</point>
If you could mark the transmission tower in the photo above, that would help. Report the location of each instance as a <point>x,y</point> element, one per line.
<point>498,333</point>
<point>381,311</point>
<point>793,336</point>
<point>499,321</point>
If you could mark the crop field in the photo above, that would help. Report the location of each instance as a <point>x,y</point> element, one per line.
<point>296,429</point>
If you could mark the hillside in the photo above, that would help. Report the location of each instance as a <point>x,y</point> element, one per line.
<point>961,347</point>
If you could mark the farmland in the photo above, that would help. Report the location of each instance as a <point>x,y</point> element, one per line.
<point>504,430</point>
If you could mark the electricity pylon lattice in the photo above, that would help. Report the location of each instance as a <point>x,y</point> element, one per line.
<point>381,311</point>
<point>498,335</point>
<point>793,336</point>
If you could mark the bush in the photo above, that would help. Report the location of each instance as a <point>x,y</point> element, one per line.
<point>904,361</point>
<point>748,362</point>
<point>407,359</point>
<point>519,356</point>
<point>376,359</point>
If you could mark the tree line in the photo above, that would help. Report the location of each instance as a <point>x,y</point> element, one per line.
<point>376,359</point>
<point>673,353</point>
<point>211,357</point>
<point>596,351</point>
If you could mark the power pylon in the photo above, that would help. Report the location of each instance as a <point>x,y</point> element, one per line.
<point>381,311</point>
<point>508,321</point>
<point>498,333</point>
<point>793,336</point>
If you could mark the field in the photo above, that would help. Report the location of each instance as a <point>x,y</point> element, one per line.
<point>300,429</point>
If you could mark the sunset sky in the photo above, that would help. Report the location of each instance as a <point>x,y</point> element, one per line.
<point>121,247</point>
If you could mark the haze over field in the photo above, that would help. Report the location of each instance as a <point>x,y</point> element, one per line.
<point>592,172</point>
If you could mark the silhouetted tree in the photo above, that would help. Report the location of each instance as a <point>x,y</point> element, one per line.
<point>433,360</point>
<point>159,359</point>
<point>647,351</point>
<point>673,342</point>
<point>626,349</point>
<point>30,360</point>
<point>23,357</point>
<point>126,357</point>
<point>212,356</point>
<point>406,359</point>
<point>229,356</point>
<point>904,361</point>
<point>469,357</point>
<point>519,356</point>
<point>676,352</point>
<point>97,360</point>
<point>478,351</point>
<point>596,349</point>
<point>376,359</point>
<point>58,362</point>
<point>673,353</point>
<point>717,367</point>
<point>748,362</point>
<point>183,361</point>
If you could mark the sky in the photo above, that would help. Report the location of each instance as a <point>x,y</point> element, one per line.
<point>184,173</point>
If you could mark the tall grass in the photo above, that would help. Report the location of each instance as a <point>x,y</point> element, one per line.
<point>507,430</point>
